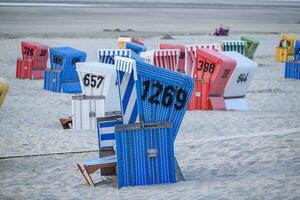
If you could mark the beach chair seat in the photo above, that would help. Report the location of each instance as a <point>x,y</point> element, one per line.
<point>89,167</point>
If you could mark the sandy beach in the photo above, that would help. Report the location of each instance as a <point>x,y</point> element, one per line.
<point>223,155</point>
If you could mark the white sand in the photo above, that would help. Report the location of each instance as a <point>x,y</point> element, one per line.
<point>223,155</point>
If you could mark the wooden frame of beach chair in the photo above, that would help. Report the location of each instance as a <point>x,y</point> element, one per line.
<point>90,167</point>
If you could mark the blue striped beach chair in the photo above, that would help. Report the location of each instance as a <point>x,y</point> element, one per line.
<point>148,95</point>
<point>106,130</point>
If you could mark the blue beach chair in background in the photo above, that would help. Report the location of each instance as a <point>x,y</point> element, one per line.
<point>62,75</point>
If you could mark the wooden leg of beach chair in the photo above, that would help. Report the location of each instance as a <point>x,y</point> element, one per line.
<point>81,170</point>
<point>87,170</point>
<point>87,176</point>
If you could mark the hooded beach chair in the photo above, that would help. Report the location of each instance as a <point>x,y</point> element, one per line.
<point>292,68</point>
<point>151,98</point>
<point>99,94</point>
<point>211,74</point>
<point>250,47</point>
<point>62,76</point>
<point>33,61</point>
<point>236,88</point>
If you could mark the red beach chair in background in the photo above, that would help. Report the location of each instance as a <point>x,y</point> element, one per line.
<point>212,71</point>
<point>33,62</point>
<point>181,61</point>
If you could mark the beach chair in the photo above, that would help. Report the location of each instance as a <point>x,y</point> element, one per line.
<point>99,94</point>
<point>4,87</point>
<point>151,97</point>
<point>164,58</point>
<point>33,61</point>
<point>236,88</point>
<point>292,68</point>
<point>250,47</point>
<point>62,76</point>
<point>211,74</point>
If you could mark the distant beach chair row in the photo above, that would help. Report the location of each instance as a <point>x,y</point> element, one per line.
<point>136,100</point>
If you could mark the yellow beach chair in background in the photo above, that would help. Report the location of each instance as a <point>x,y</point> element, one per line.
<point>285,51</point>
<point>4,87</point>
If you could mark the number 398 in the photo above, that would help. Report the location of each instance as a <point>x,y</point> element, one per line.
<point>168,95</point>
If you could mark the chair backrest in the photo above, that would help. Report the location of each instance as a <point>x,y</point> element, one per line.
<point>158,95</point>
<point>137,48</point>
<point>181,61</point>
<point>65,58</point>
<point>234,45</point>
<point>190,55</point>
<point>164,58</point>
<point>34,50</point>
<point>99,79</point>
<point>108,55</point>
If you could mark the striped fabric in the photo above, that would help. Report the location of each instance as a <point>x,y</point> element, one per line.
<point>190,55</point>
<point>164,58</point>
<point>107,55</point>
<point>127,83</point>
<point>235,45</point>
<point>106,133</point>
